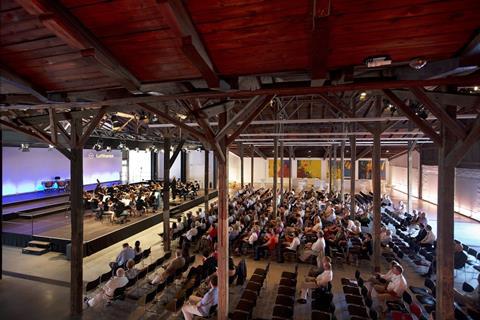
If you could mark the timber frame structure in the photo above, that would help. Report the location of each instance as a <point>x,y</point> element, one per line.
<point>245,77</point>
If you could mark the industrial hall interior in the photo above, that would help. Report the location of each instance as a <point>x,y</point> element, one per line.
<point>240,159</point>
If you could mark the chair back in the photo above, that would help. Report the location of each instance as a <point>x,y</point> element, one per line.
<point>146,253</point>
<point>151,267</point>
<point>92,284</point>
<point>142,273</point>
<point>150,296</point>
<point>106,276</point>
<point>407,298</point>
<point>467,288</point>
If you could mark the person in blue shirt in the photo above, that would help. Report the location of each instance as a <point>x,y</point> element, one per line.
<point>126,254</point>
<point>201,306</point>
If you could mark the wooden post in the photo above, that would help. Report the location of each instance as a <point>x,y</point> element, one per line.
<point>251,166</point>
<point>290,152</point>
<point>342,168</point>
<point>420,177</point>
<point>445,214</point>
<point>275,158</point>
<point>334,164</point>
<point>206,179</point>
<point>241,165</point>
<point>281,172</point>
<point>353,163</point>
<point>154,165</point>
<point>183,166</point>
<point>166,195</point>
<point>409,177</point>
<point>376,200</point>
<point>76,204</point>
<point>215,172</point>
<point>222,270</point>
<point>330,180</point>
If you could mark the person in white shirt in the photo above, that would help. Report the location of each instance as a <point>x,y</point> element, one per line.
<point>293,245</point>
<point>314,249</point>
<point>108,290</point>
<point>321,280</point>
<point>429,239</point>
<point>382,279</point>
<point>393,290</point>
<point>201,306</point>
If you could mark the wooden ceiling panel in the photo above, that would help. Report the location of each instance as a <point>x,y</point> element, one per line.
<point>137,35</point>
<point>149,54</point>
<point>244,37</point>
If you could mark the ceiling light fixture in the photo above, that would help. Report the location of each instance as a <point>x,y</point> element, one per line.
<point>418,63</point>
<point>24,147</point>
<point>378,61</point>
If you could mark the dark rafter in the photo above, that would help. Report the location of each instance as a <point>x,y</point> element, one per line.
<point>179,21</point>
<point>67,27</point>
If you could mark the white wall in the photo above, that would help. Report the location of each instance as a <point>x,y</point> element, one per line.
<point>139,166</point>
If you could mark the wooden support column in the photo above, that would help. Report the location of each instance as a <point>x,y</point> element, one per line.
<point>241,165</point>
<point>334,164</point>
<point>154,165</point>
<point>353,161</point>
<point>330,168</point>
<point>376,182</point>
<point>342,168</point>
<point>183,166</point>
<point>420,177</point>
<point>166,195</point>
<point>290,152</point>
<point>215,172</point>
<point>409,177</point>
<point>251,166</point>
<point>376,200</point>
<point>275,168</point>
<point>445,229</point>
<point>281,172</point>
<point>222,270</point>
<point>206,178</point>
<point>76,204</point>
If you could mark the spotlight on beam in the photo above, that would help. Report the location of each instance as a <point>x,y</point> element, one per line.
<point>24,147</point>
<point>98,146</point>
<point>108,149</point>
<point>51,147</point>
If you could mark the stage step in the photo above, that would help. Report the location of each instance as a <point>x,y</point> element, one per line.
<point>39,244</point>
<point>34,250</point>
<point>45,211</point>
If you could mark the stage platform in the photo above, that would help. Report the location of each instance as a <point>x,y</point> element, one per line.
<point>55,228</point>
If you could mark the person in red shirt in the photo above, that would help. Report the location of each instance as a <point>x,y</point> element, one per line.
<point>270,242</point>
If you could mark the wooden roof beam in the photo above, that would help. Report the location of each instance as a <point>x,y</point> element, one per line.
<point>439,112</point>
<point>8,76</point>
<point>319,42</point>
<point>421,124</point>
<point>178,18</point>
<point>67,27</point>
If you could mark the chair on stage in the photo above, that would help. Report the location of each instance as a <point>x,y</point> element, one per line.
<point>48,185</point>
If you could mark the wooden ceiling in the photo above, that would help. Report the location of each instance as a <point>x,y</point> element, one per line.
<point>77,51</point>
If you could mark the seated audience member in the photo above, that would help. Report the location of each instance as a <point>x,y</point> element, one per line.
<point>321,281</point>
<point>138,250</point>
<point>421,233</point>
<point>177,263</point>
<point>248,239</point>
<point>200,306</point>
<point>459,260</point>
<point>381,279</point>
<point>108,290</point>
<point>391,291</point>
<point>315,271</point>
<point>429,238</point>
<point>192,232</point>
<point>385,237</point>
<point>314,249</point>
<point>293,245</point>
<point>270,242</point>
<point>126,254</point>
<point>131,272</point>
